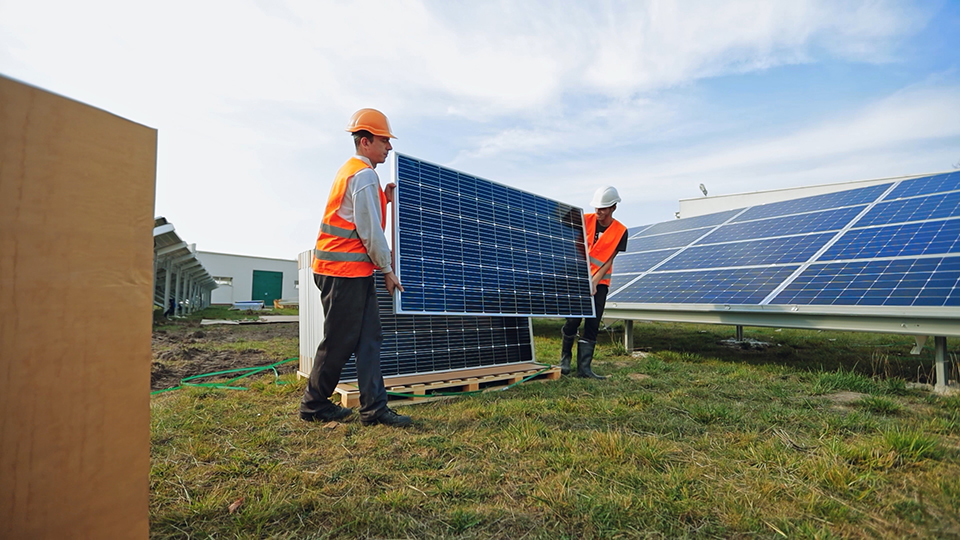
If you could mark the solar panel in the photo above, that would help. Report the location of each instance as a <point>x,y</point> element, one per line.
<point>767,228</point>
<point>749,253</point>
<point>839,199</point>
<point>468,246</point>
<point>640,262</point>
<point>741,286</point>
<point>930,184</point>
<point>890,245</point>
<point>430,343</point>
<point>914,209</point>
<point>668,240</point>
<point>687,224</point>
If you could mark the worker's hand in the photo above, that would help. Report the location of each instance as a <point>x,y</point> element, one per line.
<point>593,288</point>
<point>389,191</point>
<point>393,282</point>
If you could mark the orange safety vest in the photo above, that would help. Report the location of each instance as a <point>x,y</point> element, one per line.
<point>605,247</point>
<point>339,251</point>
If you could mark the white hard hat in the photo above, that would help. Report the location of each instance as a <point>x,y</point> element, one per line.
<point>605,197</point>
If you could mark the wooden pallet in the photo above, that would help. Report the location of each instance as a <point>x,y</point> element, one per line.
<point>431,386</point>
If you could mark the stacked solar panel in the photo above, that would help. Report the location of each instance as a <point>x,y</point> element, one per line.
<point>428,343</point>
<point>891,244</point>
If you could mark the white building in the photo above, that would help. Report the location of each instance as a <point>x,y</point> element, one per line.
<point>699,206</point>
<point>242,278</point>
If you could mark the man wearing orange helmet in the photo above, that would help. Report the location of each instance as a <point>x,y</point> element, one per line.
<point>605,238</point>
<point>350,246</point>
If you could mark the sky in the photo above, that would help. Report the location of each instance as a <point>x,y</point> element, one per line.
<point>251,98</point>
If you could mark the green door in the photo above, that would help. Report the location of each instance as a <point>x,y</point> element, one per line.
<point>267,286</point>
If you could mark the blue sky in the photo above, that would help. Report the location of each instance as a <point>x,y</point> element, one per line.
<point>251,98</point>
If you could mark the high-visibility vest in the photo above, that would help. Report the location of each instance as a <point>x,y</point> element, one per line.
<point>605,246</point>
<point>339,251</point>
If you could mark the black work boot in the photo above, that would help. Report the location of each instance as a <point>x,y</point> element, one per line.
<point>585,358</point>
<point>389,417</point>
<point>566,352</point>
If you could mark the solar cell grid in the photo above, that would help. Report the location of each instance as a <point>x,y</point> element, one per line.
<point>664,241</point>
<point>689,223</point>
<point>426,343</point>
<point>640,262</point>
<point>740,286</point>
<point>466,245</point>
<point>750,253</point>
<point>818,202</point>
<point>903,282</point>
<point>934,237</point>
<point>803,223</point>
<point>913,209</point>
<point>634,231</point>
<point>928,184</point>
<point>892,256</point>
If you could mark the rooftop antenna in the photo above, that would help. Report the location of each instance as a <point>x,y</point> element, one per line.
<point>703,188</point>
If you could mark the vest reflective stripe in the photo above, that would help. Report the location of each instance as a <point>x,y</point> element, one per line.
<point>333,230</point>
<point>605,246</point>
<point>340,257</point>
<point>339,251</point>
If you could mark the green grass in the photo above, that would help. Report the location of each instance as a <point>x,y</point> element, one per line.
<point>691,440</point>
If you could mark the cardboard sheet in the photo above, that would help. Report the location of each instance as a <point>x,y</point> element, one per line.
<point>76,265</point>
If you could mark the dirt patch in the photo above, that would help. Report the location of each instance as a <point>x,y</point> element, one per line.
<point>185,352</point>
<point>638,376</point>
<point>844,400</point>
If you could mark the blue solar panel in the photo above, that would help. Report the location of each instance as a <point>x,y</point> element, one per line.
<point>758,252</point>
<point>818,202</point>
<point>929,184</point>
<point>632,231</point>
<point>934,237</point>
<point>903,282</point>
<point>740,286</point>
<point>689,223</point>
<point>765,228</point>
<point>664,241</point>
<point>469,246</point>
<point>618,280</point>
<point>427,343</point>
<point>915,209</point>
<point>903,251</point>
<point>640,262</point>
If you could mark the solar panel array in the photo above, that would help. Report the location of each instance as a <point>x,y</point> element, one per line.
<point>892,244</point>
<point>429,343</point>
<point>469,246</point>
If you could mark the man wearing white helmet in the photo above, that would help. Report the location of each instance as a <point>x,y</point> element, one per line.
<point>351,245</point>
<point>605,238</point>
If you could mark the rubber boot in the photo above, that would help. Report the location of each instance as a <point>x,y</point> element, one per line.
<point>585,358</point>
<point>566,352</point>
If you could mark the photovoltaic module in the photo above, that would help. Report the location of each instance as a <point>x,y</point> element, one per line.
<point>430,343</point>
<point>469,246</point>
<point>895,244</point>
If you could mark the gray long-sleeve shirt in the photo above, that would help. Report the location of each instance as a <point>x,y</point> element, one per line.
<point>361,206</point>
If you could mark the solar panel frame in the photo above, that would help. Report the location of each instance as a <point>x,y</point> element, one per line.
<point>536,245</point>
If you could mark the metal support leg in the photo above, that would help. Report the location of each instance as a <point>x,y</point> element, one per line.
<point>739,333</point>
<point>628,335</point>
<point>943,374</point>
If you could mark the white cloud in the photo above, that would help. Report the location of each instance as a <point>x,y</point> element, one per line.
<point>250,97</point>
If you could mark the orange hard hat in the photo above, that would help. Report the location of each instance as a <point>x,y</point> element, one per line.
<point>370,120</point>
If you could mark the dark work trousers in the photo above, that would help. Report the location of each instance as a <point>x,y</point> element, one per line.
<point>591,326</point>
<point>351,324</point>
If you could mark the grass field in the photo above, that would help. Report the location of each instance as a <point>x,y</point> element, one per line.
<point>815,435</point>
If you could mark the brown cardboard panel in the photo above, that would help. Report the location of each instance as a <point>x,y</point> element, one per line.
<point>76,269</point>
